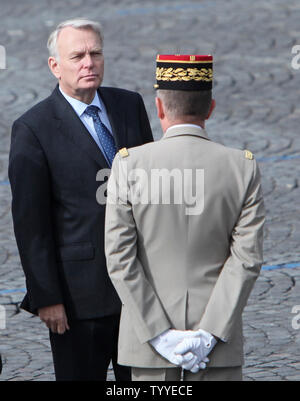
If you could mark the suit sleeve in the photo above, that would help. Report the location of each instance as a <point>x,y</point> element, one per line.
<point>31,211</point>
<point>124,267</point>
<point>241,268</point>
<point>144,122</point>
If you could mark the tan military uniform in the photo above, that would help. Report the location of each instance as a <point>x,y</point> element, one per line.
<point>175,266</point>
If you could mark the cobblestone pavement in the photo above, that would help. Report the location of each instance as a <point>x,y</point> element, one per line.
<point>257,93</point>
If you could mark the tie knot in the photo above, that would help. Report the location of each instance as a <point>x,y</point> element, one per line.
<point>92,111</point>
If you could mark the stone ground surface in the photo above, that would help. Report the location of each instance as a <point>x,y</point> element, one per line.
<point>257,93</point>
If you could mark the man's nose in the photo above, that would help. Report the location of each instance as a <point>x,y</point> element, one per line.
<point>88,60</point>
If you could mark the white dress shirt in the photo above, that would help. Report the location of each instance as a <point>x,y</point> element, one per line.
<point>80,107</point>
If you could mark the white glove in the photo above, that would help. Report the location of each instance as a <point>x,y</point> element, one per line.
<point>193,365</point>
<point>200,346</point>
<point>166,343</point>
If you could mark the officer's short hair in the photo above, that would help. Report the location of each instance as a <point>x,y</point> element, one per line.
<point>179,103</point>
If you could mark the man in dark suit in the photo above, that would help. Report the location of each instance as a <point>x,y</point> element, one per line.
<point>57,149</point>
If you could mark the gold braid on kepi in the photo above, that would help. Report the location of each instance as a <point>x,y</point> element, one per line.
<point>184,72</point>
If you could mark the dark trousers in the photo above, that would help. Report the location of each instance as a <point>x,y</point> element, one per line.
<point>85,351</point>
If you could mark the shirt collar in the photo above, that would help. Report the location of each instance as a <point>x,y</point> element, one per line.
<point>79,106</point>
<point>185,129</point>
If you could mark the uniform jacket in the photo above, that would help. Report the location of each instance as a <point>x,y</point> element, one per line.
<point>177,265</point>
<point>58,223</point>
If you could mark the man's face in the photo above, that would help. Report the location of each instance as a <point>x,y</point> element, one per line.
<point>81,64</point>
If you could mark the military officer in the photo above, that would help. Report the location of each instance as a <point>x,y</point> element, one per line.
<point>183,236</point>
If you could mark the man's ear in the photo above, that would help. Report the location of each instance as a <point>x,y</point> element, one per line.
<point>54,66</point>
<point>211,109</point>
<point>159,108</point>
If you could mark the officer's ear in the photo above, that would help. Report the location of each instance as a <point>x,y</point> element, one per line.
<point>159,108</point>
<point>211,109</point>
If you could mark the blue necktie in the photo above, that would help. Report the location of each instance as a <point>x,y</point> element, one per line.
<point>105,138</point>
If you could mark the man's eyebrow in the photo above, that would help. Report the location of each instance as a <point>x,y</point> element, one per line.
<point>80,51</point>
<point>96,49</point>
<point>74,52</point>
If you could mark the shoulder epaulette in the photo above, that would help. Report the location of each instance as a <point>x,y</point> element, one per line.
<point>249,155</point>
<point>123,152</point>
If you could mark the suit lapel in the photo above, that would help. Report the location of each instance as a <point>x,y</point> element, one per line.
<point>70,125</point>
<point>115,115</point>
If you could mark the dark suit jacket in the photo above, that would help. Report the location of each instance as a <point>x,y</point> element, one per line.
<point>58,223</point>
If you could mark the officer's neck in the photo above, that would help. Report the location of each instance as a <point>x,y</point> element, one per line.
<point>167,123</point>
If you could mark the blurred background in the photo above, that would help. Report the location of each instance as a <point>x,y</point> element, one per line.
<point>257,91</point>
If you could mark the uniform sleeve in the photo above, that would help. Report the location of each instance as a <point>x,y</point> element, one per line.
<point>31,211</point>
<point>242,267</point>
<point>124,267</point>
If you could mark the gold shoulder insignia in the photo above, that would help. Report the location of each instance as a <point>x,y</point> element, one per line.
<point>123,152</point>
<point>249,155</point>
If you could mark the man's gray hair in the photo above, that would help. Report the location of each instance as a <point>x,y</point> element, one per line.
<point>179,103</point>
<point>78,23</point>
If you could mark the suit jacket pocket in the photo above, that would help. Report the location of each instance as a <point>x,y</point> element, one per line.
<point>80,251</point>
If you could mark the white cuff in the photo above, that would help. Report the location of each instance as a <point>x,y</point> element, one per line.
<point>209,339</point>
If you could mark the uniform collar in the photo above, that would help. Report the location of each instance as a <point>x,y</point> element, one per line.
<point>185,129</point>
